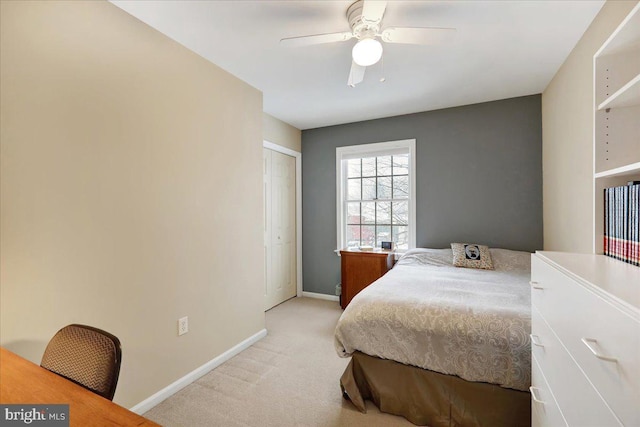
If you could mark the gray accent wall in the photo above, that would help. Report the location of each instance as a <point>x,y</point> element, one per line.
<point>478,179</point>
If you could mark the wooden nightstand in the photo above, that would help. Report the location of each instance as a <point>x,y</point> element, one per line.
<point>360,269</point>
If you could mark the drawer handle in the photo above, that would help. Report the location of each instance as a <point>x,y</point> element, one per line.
<point>533,391</point>
<point>587,341</point>
<point>535,285</point>
<point>534,340</point>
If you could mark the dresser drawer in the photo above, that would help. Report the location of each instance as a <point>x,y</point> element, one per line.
<point>544,409</point>
<point>585,323</point>
<point>578,400</point>
<point>359,269</point>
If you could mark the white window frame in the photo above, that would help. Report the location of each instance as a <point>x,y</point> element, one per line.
<point>374,150</point>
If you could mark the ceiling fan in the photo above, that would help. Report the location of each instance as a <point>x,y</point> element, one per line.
<point>365,20</point>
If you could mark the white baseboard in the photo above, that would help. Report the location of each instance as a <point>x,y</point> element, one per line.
<point>321,296</point>
<point>181,383</point>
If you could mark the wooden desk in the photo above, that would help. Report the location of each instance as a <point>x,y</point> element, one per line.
<point>24,382</point>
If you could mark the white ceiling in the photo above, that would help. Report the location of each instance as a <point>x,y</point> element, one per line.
<point>502,49</point>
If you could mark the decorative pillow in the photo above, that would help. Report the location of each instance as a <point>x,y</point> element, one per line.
<point>471,255</point>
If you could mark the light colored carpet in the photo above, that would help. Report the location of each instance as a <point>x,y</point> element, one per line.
<point>289,378</point>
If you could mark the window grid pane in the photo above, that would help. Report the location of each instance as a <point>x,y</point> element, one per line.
<point>353,214</point>
<point>400,213</point>
<point>400,187</point>
<point>354,168</point>
<point>369,188</point>
<point>400,237</point>
<point>368,213</point>
<point>353,235</point>
<point>368,235</point>
<point>354,189</point>
<point>383,213</point>
<point>377,201</point>
<point>400,164</point>
<point>383,187</point>
<point>368,167</point>
<point>383,166</point>
<point>383,234</point>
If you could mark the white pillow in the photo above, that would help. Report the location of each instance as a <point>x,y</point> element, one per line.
<point>427,256</point>
<point>508,260</point>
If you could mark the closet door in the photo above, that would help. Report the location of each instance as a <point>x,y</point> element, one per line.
<point>280,227</point>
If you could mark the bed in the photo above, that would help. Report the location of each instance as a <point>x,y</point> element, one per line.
<point>442,345</point>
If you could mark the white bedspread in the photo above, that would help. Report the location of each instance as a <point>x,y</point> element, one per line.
<point>458,321</point>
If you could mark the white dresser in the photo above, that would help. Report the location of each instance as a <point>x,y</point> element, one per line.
<point>585,340</point>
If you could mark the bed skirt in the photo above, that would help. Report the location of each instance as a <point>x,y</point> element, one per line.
<point>429,398</point>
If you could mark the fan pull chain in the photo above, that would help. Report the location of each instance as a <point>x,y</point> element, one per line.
<point>382,78</point>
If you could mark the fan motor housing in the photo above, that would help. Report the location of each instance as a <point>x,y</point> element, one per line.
<point>359,25</point>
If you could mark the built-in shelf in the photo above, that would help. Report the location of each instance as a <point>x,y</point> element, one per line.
<point>627,96</point>
<point>632,169</point>
<point>616,140</point>
<point>625,37</point>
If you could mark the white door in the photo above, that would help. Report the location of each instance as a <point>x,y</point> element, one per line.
<point>280,227</point>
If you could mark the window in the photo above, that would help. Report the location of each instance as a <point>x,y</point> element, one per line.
<point>376,194</point>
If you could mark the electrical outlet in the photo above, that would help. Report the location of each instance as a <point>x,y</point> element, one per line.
<point>183,325</point>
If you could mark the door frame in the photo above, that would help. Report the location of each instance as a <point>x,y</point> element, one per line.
<point>298,156</point>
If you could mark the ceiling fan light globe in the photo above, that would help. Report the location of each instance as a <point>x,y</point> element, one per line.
<point>367,52</point>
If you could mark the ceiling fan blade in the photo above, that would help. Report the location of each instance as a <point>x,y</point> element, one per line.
<point>356,74</point>
<point>316,39</point>
<point>415,35</point>
<point>372,10</point>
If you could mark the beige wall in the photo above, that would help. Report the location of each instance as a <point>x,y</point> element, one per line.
<point>131,191</point>
<point>281,133</point>
<point>567,139</point>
